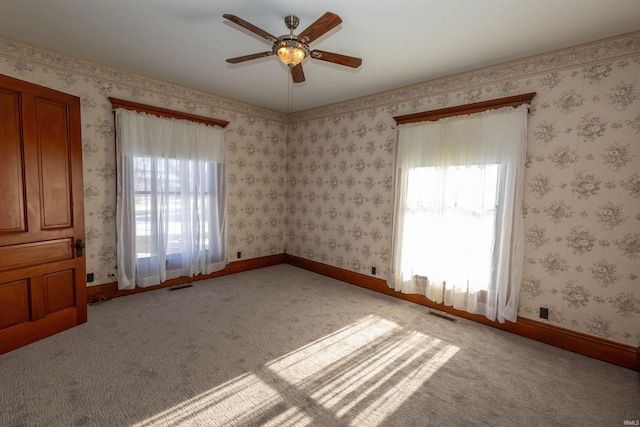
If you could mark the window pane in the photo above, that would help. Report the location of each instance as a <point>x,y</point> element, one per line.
<point>451,215</point>
<point>142,185</point>
<point>183,192</point>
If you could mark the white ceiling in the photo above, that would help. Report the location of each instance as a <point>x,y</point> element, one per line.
<point>401,42</point>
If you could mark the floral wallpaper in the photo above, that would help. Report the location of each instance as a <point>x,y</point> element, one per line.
<point>319,184</point>
<point>582,183</point>
<point>256,145</point>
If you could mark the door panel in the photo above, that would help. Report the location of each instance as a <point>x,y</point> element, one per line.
<point>28,254</point>
<point>14,299</point>
<point>11,165</point>
<point>42,278</point>
<point>58,290</point>
<point>53,156</point>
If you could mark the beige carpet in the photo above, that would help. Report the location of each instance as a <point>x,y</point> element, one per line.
<point>285,347</point>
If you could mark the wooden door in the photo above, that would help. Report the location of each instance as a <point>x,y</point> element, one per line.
<point>42,265</point>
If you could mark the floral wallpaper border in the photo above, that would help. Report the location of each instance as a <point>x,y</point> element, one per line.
<point>41,56</point>
<point>615,47</point>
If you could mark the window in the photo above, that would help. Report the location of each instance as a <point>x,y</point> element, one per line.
<point>178,205</point>
<point>452,214</point>
<point>458,232</point>
<point>171,201</point>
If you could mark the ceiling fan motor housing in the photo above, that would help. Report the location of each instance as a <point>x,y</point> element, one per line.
<point>291,22</point>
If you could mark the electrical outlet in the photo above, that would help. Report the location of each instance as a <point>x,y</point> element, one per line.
<point>89,277</point>
<point>239,254</point>
<point>373,270</point>
<point>544,313</point>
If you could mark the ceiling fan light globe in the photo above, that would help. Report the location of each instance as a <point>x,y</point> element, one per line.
<point>290,51</point>
<point>291,56</point>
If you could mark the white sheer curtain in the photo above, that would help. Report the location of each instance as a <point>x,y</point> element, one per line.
<point>458,233</point>
<point>171,199</point>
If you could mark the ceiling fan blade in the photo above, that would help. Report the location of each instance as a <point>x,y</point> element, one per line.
<point>250,27</point>
<point>239,59</point>
<point>324,24</point>
<point>297,74</point>
<point>336,58</point>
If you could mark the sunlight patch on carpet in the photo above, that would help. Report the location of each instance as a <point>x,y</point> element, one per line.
<point>358,375</point>
<point>237,401</point>
<point>364,372</point>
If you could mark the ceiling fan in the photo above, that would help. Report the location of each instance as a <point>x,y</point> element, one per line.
<point>293,49</point>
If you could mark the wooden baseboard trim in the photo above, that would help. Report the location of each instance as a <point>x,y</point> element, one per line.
<point>110,290</point>
<point>588,345</point>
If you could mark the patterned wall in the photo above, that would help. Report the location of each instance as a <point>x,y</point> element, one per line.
<point>256,142</point>
<point>582,194</point>
<point>326,180</point>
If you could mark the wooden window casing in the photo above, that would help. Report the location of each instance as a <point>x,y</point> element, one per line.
<point>477,107</point>
<point>163,112</point>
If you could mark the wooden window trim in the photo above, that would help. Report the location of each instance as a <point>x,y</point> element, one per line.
<point>477,107</point>
<point>163,112</point>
